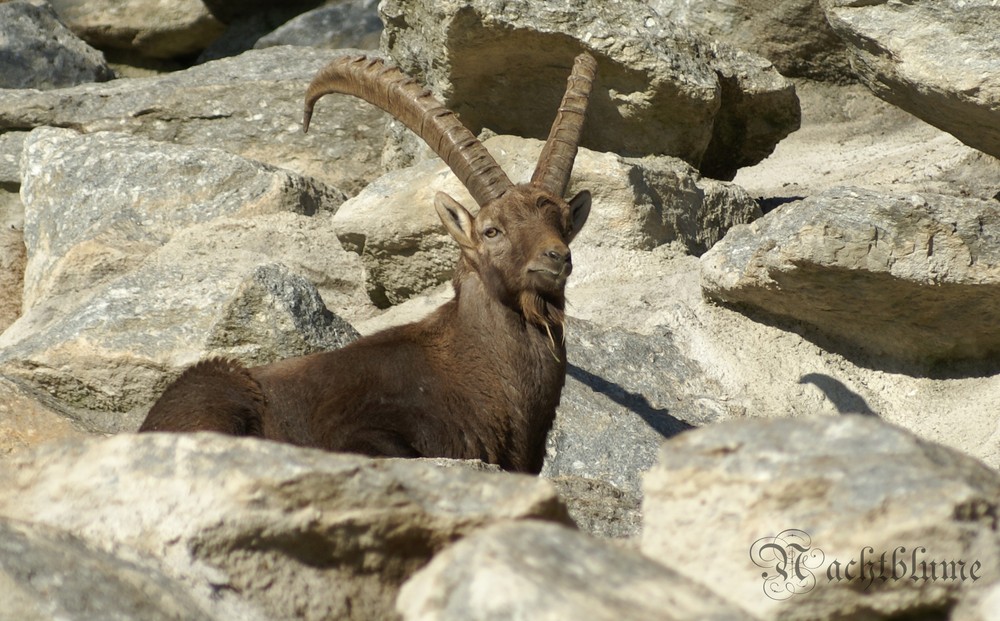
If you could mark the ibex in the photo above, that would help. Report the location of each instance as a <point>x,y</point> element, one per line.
<point>480,378</point>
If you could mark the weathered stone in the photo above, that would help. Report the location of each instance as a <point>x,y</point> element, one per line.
<point>639,203</point>
<point>250,105</point>
<point>793,34</point>
<point>875,273</point>
<point>26,422</point>
<point>625,393</point>
<point>38,51</point>
<point>107,355</point>
<point>150,27</point>
<point>846,490</point>
<point>655,95</point>
<point>530,570</point>
<point>599,508</point>
<point>256,529</point>
<point>96,204</point>
<point>347,24</point>
<point>758,109</point>
<point>937,59</point>
<point>46,574</point>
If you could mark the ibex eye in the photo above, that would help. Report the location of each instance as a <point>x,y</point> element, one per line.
<point>491,232</point>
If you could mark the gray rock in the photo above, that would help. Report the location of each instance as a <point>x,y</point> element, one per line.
<point>107,356</point>
<point>38,51</point>
<point>25,421</point>
<point>655,94</point>
<point>639,204</point>
<point>97,204</point>
<point>872,273</point>
<point>599,508</point>
<point>46,574</point>
<point>937,59</point>
<point>351,23</point>
<point>793,34</point>
<point>250,106</point>
<point>530,570</point>
<point>260,530</point>
<point>625,393</point>
<point>148,27</point>
<point>843,489</point>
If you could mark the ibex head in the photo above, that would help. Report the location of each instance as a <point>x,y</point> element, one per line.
<point>518,242</point>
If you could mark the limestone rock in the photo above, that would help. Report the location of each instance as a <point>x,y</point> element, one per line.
<point>346,24</point>
<point>106,357</point>
<point>625,393</point>
<point>844,489</point>
<point>937,59</point>
<point>656,93</point>
<point>793,34</point>
<point>530,570</point>
<point>250,106</point>
<point>96,204</point>
<point>874,273</point>
<point>599,508</point>
<point>26,422</point>
<point>638,203</point>
<point>260,530</point>
<point>46,574</point>
<point>149,27</point>
<point>38,51</point>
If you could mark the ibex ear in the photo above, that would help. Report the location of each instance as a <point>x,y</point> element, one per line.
<point>579,208</point>
<point>456,219</point>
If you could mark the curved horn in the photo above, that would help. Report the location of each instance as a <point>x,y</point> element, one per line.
<point>556,161</point>
<point>405,99</point>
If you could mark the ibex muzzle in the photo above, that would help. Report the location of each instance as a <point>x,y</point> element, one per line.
<point>481,376</point>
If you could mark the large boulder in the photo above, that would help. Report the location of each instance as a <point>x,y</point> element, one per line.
<point>625,393</point>
<point>793,34</point>
<point>47,574</point>
<point>148,28</point>
<point>872,273</point>
<point>638,204</point>
<point>97,204</point>
<point>936,59</point>
<point>344,24</point>
<point>260,530</point>
<point>124,287</point>
<point>824,518</point>
<point>658,90</point>
<point>38,51</point>
<point>26,422</point>
<point>106,356</point>
<point>250,106</point>
<point>534,570</point>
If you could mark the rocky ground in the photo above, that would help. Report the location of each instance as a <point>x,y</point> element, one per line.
<point>782,347</point>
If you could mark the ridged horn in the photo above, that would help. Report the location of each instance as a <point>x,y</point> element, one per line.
<point>390,89</point>
<point>556,161</point>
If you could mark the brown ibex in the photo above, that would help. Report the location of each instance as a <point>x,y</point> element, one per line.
<point>478,378</point>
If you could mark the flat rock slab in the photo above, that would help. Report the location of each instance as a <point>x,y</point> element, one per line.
<point>249,105</point>
<point>913,278</point>
<point>259,530</point>
<point>781,516</point>
<point>533,570</point>
<point>937,59</point>
<point>39,51</point>
<point>658,91</point>
<point>46,574</point>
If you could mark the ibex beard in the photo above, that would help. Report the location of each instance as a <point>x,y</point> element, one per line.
<point>481,377</point>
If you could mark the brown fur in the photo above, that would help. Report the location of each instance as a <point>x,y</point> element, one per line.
<point>479,378</point>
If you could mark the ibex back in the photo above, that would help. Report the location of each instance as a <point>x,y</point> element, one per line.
<point>481,376</point>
